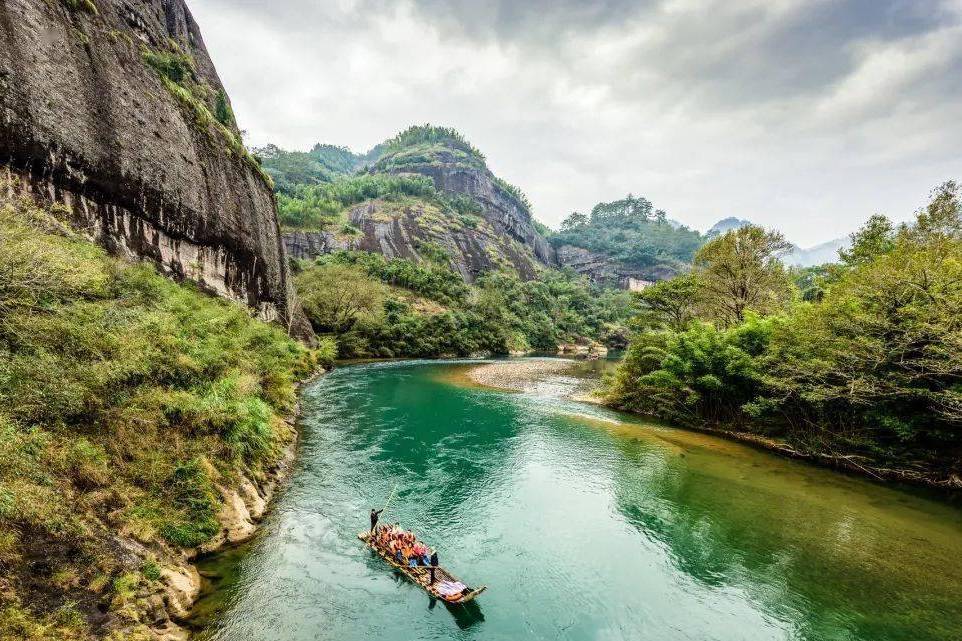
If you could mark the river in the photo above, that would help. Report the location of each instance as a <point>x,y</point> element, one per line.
<point>583,523</point>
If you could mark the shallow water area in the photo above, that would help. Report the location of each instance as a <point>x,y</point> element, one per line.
<point>583,523</point>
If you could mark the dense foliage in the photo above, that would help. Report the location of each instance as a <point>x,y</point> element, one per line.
<point>632,232</point>
<point>430,135</point>
<point>315,187</point>
<point>320,206</point>
<point>741,272</point>
<point>380,307</point>
<point>293,169</point>
<point>405,153</point>
<point>125,399</point>
<point>866,365</point>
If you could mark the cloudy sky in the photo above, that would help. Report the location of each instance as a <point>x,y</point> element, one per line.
<point>805,115</point>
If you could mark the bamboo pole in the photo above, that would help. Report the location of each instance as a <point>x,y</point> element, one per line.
<point>390,496</point>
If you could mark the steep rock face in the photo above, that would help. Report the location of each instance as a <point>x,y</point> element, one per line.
<point>413,231</point>
<point>310,244</point>
<point>85,122</point>
<point>604,271</point>
<point>499,208</point>
<point>506,236</point>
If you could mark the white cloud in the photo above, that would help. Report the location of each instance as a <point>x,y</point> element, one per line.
<point>806,116</point>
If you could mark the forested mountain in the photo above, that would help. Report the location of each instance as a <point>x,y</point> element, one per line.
<point>795,256</point>
<point>416,249</point>
<point>726,225</point>
<point>293,169</point>
<point>426,186</point>
<point>626,241</point>
<point>821,254</point>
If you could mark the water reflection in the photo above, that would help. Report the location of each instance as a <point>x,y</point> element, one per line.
<point>830,567</point>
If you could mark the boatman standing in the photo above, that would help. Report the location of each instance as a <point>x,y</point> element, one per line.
<point>374,515</point>
<point>434,564</point>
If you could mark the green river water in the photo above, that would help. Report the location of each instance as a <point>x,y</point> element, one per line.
<point>583,523</point>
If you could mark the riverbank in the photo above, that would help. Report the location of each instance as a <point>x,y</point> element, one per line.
<point>555,377</point>
<point>142,422</point>
<point>848,463</point>
<point>240,516</point>
<point>532,374</point>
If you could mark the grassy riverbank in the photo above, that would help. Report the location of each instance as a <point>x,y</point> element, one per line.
<point>129,407</point>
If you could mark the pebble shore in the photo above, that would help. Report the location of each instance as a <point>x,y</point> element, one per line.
<point>518,375</point>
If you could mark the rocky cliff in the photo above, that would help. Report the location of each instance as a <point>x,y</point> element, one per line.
<point>479,221</point>
<point>113,109</point>
<point>416,231</point>
<point>499,207</point>
<point>608,272</point>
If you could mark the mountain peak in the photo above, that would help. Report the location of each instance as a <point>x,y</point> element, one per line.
<point>727,224</point>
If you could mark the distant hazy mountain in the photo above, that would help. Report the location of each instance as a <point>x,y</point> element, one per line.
<point>725,225</point>
<point>820,254</point>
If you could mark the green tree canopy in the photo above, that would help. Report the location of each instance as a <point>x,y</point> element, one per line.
<point>874,238</point>
<point>740,271</point>
<point>670,303</point>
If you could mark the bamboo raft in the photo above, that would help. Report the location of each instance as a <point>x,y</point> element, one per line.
<point>421,575</point>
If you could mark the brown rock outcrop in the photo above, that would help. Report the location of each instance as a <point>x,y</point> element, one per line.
<point>86,122</point>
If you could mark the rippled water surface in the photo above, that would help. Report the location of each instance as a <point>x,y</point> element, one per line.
<point>583,523</point>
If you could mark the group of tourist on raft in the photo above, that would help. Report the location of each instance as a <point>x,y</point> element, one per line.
<point>403,545</point>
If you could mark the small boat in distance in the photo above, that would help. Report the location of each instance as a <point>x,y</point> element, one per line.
<point>420,574</point>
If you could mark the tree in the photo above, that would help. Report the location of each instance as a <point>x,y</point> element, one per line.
<point>942,218</point>
<point>741,271</point>
<point>670,303</point>
<point>882,349</point>
<point>574,221</point>
<point>625,212</point>
<point>700,375</point>
<point>874,238</point>
<point>813,281</point>
<point>631,231</point>
<point>223,111</point>
<point>335,297</point>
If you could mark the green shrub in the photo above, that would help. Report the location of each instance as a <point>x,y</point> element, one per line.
<point>87,6</point>
<point>326,351</point>
<point>194,497</point>
<point>176,66</point>
<point>126,584</point>
<point>344,294</point>
<point>150,570</point>
<point>318,206</point>
<point>430,134</point>
<point>223,111</point>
